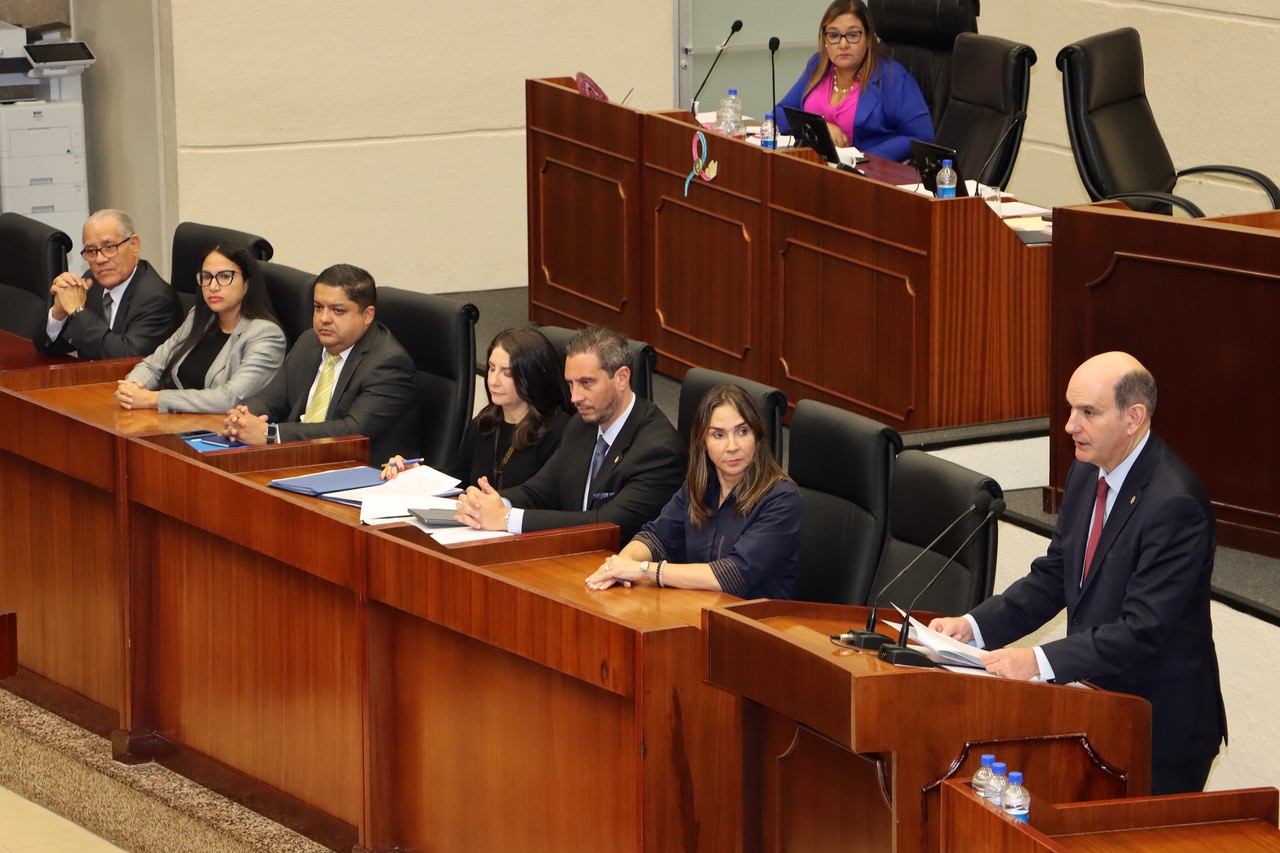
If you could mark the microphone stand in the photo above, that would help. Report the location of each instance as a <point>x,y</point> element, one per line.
<point>774,44</point>
<point>693,108</point>
<point>899,654</point>
<point>869,638</point>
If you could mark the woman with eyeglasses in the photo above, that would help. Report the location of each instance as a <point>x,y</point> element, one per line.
<point>869,101</point>
<point>226,349</point>
<point>514,436</point>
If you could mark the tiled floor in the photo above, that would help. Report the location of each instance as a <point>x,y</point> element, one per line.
<point>27,828</point>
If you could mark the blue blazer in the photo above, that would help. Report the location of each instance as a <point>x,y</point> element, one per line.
<point>891,111</point>
<point>1141,622</point>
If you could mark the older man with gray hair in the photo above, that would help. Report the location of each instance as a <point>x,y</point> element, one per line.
<point>120,308</point>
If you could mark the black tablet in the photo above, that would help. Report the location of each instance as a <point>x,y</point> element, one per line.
<point>928,158</point>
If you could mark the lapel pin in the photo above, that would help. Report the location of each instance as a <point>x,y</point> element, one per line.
<point>617,459</point>
<point>1133,500</point>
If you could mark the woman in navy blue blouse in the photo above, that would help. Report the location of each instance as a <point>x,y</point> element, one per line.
<point>735,523</point>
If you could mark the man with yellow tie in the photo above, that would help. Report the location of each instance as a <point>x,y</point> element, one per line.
<point>347,376</point>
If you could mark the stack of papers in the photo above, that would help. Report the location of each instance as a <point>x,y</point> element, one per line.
<point>380,501</point>
<point>948,650</point>
<point>325,483</point>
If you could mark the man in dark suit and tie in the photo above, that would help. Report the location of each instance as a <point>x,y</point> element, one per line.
<point>619,460</point>
<point>1130,560</point>
<point>122,308</point>
<point>347,375</point>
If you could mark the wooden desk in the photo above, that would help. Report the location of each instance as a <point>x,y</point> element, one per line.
<point>832,286</point>
<point>1183,823</point>
<point>1192,300</point>
<point>8,643</point>
<point>18,353</point>
<point>844,751</point>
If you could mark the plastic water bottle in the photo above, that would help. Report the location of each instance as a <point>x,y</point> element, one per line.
<point>983,775</point>
<point>946,180</point>
<point>997,783</point>
<point>729,116</point>
<point>768,132</point>
<point>1015,800</point>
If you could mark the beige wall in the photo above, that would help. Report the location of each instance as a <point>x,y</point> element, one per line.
<point>1210,74</point>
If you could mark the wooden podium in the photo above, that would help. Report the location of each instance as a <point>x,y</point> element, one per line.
<point>1195,301</point>
<point>829,285</point>
<point>845,752</point>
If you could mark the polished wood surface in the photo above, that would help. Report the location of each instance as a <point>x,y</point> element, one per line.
<point>1243,820</point>
<point>893,735</point>
<point>19,353</point>
<point>8,643</point>
<point>1185,297</point>
<point>829,285</point>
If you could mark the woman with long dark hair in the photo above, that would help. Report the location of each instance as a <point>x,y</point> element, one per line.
<point>735,523</point>
<point>513,436</point>
<point>869,101</point>
<point>226,349</point>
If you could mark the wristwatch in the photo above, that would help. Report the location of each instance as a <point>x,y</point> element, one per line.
<point>644,569</point>
<point>273,433</point>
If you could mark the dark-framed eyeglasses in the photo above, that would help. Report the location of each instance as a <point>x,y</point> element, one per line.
<point>90,253</point>
<point>222,277</point>
<point>852,37</point>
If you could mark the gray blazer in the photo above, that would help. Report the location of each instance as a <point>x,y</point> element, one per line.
<point>248,360</point>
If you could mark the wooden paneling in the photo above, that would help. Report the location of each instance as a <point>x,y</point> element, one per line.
<point>584,208</point>
<point>1188,299</point>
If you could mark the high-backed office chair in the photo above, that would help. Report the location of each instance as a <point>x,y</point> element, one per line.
<point>920,35</point>
<point>644,358</point>
<point>440,335</point>
<point>841,462</point>
<point>1118,148</point>
<point>22,313</point>
<point>990,82</point>
<point>292,294</point>
<point>771,402</point>
<point>926,494</point>
<point>191,240</point>
<point>32,254</point>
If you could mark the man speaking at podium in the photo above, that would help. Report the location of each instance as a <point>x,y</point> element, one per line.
<point>1130,560</point>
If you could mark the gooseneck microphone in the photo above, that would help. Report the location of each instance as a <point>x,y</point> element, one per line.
<point>693,105</point>
<point>1014,121</point>
<point>774,44</point>
<point>868,638</point>
<point>899,654</point>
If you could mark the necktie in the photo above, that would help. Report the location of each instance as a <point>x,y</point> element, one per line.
<point>106,306</point>
<point>319,405</point>
<point>1095,533</point>
<point>597,459</point>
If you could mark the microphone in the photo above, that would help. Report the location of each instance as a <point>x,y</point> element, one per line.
<point>774,44</point>
<point>693,105</point>
<point>1016,119</point>
<point>899,654</point>
<point>868,638</point>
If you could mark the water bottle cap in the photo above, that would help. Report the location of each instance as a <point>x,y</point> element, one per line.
<point>733,91</point>
<point>768,116</point>
<point>1015,777</point>
<point>999,768</point>
<point>988,759</point>
<point>946,164</point>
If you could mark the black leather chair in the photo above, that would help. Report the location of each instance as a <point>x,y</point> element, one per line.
<point>926,494</point>
<point>440,335</point>
<point>191,240</point>
<point>292,293</point>
<point>1118,148</point>
<point>990,82</point>
<point>22,313</point>
<point>644,358</point>
<point>920,35</point>
<point>841,462</point>
<point>771,402</point>
<point>32,254</point>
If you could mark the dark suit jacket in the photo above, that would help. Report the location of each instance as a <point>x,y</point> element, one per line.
<point>148,316</point>
<point>1141,623</point>
<point>373,395</point>
<point>644,468</point>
